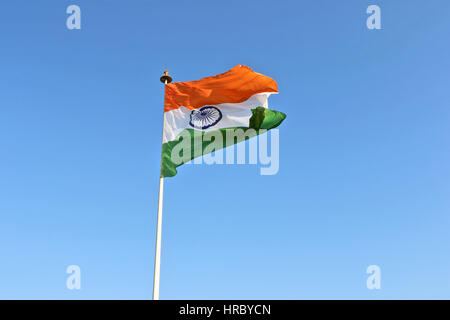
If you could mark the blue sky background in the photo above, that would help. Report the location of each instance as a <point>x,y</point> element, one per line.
<point>364,152</point>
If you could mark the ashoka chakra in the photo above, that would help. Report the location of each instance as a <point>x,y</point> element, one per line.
<point>205,117</point>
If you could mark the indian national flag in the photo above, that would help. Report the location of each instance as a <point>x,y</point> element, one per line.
<point>213,107</point>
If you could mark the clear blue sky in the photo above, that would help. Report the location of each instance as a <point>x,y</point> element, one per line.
<point>364,157</point>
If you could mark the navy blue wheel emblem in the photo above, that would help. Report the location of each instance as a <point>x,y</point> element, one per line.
<point>205,117</point>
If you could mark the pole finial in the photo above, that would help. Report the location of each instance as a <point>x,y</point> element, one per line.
<point>166,78</point>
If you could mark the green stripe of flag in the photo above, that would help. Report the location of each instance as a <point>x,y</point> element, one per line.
<point>262,120</point>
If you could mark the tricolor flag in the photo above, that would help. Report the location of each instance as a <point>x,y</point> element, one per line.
<point>236,99</point>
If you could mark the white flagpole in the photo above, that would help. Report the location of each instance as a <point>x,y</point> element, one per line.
<point>164,79</point>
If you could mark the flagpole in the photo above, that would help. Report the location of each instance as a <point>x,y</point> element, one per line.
<point>164,79</point>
